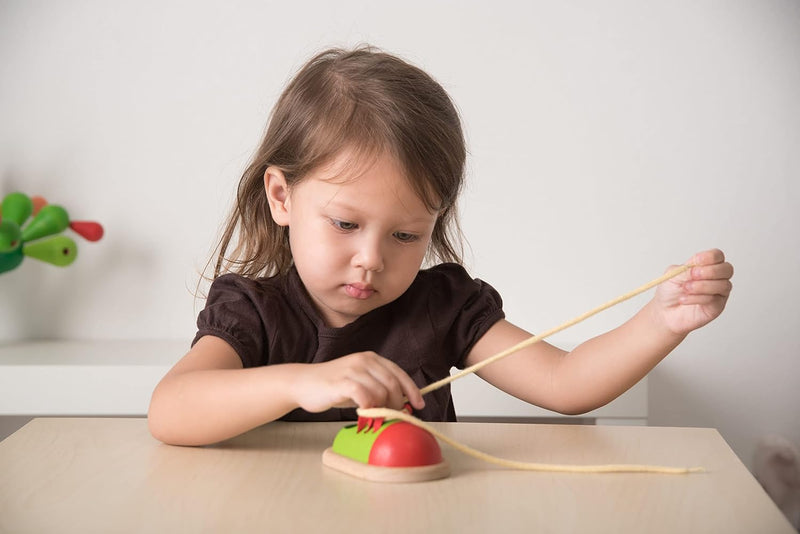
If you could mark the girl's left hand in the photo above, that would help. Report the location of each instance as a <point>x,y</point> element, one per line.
<point>696,297</point>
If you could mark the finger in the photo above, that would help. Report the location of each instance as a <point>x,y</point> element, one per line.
<point>365,391</point>
<point>707,257</point>
<point>385,376</point>
<point>708,287</point>
<point>716,301</point>
<point>717,271</point>
<point>681,277</point>
<point>382,388</point>
<point>407,386</point>
<point>396,383</point>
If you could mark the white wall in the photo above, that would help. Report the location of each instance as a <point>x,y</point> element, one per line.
<point>607,141</point>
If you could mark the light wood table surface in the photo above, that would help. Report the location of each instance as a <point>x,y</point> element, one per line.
<point>109,475</point>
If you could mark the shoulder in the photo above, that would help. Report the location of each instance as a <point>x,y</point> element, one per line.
<point>245,312</point>
<point>451,281</point>
<point>233,298</point>
<point>449,293</point>
<point>444,273</point>
<point>235,287</point>
<point>239,282</point>
<point>458,308</point>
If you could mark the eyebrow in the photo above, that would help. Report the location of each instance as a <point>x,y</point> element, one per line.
<point>339,204</point>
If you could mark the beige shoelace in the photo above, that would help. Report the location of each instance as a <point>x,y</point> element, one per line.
<point>619,468</point>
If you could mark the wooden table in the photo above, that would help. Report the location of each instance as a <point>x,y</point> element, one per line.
<point>109,475</point>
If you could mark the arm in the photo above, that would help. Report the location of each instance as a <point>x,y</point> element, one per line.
<point>208,397</point>
<point>603,368</point>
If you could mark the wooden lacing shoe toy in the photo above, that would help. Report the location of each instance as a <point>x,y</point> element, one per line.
<point>404,448</point>
<point>390,451</point>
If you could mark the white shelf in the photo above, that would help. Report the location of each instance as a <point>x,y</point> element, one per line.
<point>83,377</point>
<point>118,377</point>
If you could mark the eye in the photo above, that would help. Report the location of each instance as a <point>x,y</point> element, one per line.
<point>405,237</point>
<point>343,225</point>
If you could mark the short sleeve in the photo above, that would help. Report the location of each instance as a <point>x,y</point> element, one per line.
<point>473,307</point>
<point>231,313</point>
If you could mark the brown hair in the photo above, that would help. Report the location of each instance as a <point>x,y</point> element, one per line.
<point>370,102</point>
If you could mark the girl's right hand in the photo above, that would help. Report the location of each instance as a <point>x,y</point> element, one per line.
<point>362,379</point>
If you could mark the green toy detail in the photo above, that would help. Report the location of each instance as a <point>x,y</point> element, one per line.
<point>18,240</point>
<point>10,235</point>
<point>49,221</point>
<point>354,444</point>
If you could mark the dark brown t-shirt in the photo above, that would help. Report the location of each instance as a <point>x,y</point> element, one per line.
<point>426,331</point>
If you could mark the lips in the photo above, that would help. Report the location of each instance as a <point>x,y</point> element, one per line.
<point>359,291</point>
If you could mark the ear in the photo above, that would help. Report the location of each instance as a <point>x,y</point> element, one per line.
<point>277,195</point>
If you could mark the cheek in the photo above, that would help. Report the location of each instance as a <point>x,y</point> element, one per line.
<point>422,251</point>
<point>414,258</point>
<point>411,261</point>
<point>311,246</point>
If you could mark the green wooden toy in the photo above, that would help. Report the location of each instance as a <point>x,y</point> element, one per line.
<point>37,239</point>
<point>49,221</point>
<point>16,207</point>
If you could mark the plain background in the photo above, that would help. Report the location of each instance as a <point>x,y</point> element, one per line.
<point>607,141</point>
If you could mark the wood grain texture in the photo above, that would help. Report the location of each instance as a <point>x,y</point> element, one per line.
<point>110,475</point>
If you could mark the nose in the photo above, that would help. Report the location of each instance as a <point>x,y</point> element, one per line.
<point>368,255</point>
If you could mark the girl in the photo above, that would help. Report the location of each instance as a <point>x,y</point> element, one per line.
<point>324,306</point>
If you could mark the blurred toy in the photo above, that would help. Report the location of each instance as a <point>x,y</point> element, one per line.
<point>37,239</point>
<point>776,466</point>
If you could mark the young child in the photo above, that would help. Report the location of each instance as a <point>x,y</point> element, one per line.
<point>323,305</point>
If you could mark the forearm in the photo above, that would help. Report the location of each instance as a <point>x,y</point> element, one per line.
<point>599,370</point>
<point>209,405</point>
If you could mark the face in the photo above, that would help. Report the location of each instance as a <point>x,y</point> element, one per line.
<point>357,240</point>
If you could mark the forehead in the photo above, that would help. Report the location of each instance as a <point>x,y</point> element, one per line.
<point>366,183</point>
<point>350,164</point>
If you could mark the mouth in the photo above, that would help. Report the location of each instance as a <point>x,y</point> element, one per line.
<point>359,291</point>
